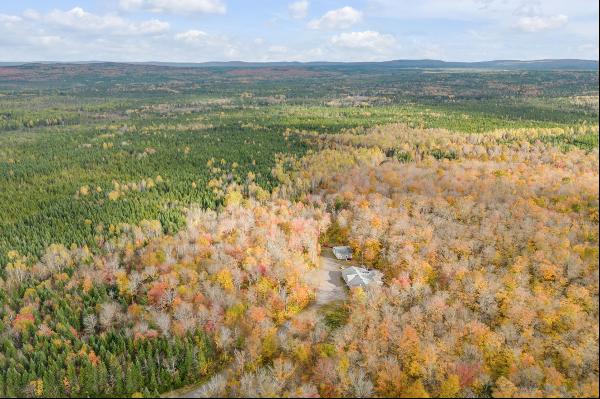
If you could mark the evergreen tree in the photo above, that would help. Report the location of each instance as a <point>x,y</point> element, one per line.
<point>13,382</point>
<point>131,380</point>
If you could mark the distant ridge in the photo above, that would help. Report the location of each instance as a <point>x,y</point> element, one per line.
<point>545,64</point>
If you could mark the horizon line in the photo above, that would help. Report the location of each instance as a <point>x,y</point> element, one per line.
<point>298,62</point>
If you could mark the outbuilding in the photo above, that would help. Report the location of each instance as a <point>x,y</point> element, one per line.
<point>342,252</point>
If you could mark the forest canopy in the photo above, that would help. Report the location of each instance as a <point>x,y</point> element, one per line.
<point>168,243</point>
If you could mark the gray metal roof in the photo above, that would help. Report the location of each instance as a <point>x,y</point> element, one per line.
<point>342,252</point>
<point>358,276</point>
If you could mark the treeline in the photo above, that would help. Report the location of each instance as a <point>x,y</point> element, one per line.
<point>42,172</point>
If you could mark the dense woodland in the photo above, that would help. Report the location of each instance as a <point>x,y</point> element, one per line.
<point>158,235</point>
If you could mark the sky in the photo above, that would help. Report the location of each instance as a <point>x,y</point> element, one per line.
<point>296,30</point>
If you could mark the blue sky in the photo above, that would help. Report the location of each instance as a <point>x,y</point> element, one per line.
<point>297,30</point>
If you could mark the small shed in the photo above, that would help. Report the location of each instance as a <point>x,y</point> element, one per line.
<point>359,276</point>
<point>344,253</point>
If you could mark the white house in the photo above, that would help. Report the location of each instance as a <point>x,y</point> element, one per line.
<point>360,277</point>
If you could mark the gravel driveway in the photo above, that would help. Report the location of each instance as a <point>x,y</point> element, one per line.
<point>328,279</point>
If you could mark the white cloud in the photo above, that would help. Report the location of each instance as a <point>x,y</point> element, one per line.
<point>221,46</point>
<point>192,36</point>
<point>79,19</point>
<point>367,40</point>
<point>340,18</point>
<point>176,6</point>
<point>9,19</point>
<point>299,9</point>
<point>540,23</point>
<point>452,30</point>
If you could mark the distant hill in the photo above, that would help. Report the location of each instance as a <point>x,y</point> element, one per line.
<point>548,64</point>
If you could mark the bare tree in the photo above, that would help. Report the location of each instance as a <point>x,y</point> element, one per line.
<point>163,322</point>
<point>89,324</point>
<point>108,313</point>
